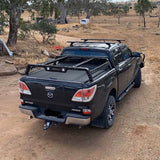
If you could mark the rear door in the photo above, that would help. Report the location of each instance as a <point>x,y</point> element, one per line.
<point>130,62</point>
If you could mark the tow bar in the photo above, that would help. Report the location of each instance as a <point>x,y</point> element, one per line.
<point>47,125</point>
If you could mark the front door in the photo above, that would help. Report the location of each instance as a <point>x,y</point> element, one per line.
<point>122,69</point>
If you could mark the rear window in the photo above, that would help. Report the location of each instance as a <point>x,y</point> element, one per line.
<point>84,53</point>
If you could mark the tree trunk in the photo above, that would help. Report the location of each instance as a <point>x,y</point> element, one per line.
<point>144,20</point>
<point>15,15</point>
<point>119,19</point>
<point>158,21</point>
<point>87,14</point>
<point>63,14</point>
<point>13,31</point>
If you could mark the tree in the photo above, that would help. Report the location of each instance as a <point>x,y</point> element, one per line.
<point>14,9</point>
<point>3,22</point>
<point>45,29</point>
<point>44,8</point>
<point>93,7</point>
<point>60,7</point>
<point>63,6</point>
<point>116,10</point>
<point>125,9</point>
<point>75,7</point>
<point>57,13</point>
<point>24,29</point>
<point>119,13</point>
<point>142,7</point>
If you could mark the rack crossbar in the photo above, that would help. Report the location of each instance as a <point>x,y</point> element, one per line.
<point>81,42</point>
<point>118,40</point>
<point>83,62</point>
<point>55,60</point>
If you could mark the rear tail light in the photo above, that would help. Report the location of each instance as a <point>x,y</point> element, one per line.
<point>85,95</point>
<point>87,111</point>
<point>22,101</point>
<point>23,88</point>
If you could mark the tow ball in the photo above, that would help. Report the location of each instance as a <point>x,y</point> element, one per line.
<point>47,125</point>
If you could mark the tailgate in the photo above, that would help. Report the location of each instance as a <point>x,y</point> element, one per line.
<point>51,94</point>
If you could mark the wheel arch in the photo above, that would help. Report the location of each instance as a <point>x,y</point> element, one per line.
<point>98,122</point>
<point>113,93</point>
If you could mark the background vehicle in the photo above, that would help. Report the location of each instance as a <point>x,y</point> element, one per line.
<point>82,85</point>
<point>84,21</point>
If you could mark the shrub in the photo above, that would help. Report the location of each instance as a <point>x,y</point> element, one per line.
<point>45,29</point>
<point>24,30</point>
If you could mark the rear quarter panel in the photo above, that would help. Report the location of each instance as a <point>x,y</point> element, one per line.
<point>104,86</point>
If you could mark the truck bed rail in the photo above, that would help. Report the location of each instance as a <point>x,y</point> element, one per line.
<point>52,66</point>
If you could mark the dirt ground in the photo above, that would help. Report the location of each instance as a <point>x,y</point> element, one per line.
<point>135,134</point>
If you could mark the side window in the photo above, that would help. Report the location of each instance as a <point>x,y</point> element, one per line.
<point>126,52</point>
<point>117,55</point>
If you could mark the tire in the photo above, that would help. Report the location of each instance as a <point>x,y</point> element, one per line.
<point>138,79</point>
<point>109,112</point>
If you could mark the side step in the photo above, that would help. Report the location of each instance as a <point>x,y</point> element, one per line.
<point>126,91</point>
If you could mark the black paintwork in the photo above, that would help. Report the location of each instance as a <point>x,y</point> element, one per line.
<point>112,69</point>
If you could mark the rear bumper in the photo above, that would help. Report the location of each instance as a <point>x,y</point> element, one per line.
<point>78,121</point>
<point>68,118</point>
<point>28,110</point>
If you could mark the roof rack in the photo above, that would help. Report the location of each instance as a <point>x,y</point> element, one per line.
<point>118,40</point>
<point>84,42</point>
<point>104,41</point>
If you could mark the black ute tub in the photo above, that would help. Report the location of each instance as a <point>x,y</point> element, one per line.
<point>82,85</point>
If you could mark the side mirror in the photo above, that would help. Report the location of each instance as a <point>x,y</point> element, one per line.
<point>136,54</point>
<point>142,55</point>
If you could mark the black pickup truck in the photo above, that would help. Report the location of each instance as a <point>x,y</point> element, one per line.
<point>82,85</point>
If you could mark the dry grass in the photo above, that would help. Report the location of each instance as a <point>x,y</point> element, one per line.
<point>30,52</point>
